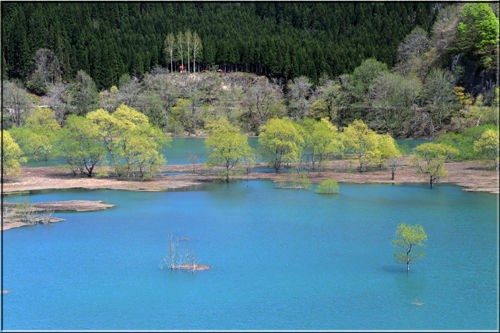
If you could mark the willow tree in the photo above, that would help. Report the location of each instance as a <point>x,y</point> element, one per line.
<point>37,137</point>
<point>321,140</point>
<point>81,145</point>
<point>408,239</point>
<point>132,143</point>
<point>430,158</point>
<point>227,146</point>
<point>362,142</point>
<point>281,141</point>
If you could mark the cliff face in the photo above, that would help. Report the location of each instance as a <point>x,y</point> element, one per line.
<point>475,78</point>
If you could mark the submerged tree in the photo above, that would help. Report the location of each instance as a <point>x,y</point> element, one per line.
<point>407,240</point>
<point>328,186</point>
<point>181,258</point>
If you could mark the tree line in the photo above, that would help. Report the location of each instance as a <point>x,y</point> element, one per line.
<point>127,145</point>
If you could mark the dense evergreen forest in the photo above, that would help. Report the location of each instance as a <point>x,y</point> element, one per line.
<point>440,76</point>
<point>278,39</point>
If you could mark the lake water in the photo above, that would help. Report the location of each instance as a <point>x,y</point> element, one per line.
<point>181,151</point>
<point>282,259</point>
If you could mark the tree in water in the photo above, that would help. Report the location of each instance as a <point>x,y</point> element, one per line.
<point>407,240</point>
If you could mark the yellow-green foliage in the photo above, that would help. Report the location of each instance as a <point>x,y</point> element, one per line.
<point>321,139</point>
<point>487,146</point>
<point>12,155</point>
<point>429,160</point>
<point>281,141</point>
<point>227,146</point>
<point>408,239</point>
<point>131,141</point>
<point>369,148</point>
<point>37,137</point>
<point>328,186</point>
<point>81,145</point>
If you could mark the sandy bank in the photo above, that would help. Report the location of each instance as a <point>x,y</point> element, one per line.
<point>472,175</point>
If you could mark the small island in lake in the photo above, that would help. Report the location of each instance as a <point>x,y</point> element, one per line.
<point>23,214</point>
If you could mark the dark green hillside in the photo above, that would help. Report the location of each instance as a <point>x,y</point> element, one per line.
<point>273,38</point>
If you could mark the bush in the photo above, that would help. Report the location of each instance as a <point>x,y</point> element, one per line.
<point>37,87</point>
<point>329,186</point>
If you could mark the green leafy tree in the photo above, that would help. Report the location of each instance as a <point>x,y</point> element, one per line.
<point>487,146</point>
<point>464,141</point>
<point>362,142</point>
<point>478,32</point>
<point>37,137</point>
<point>281,142</point>
<point>81,145</point>
<point>12,155</point>
<point>321,140</point>
<point>390,152</point>
<point>365,73</point>
<point>132,143</point>
<point>328,186</point>
<point>408,239</point>
<point>138,143</point>
<point>429,159</point>
<point>83,95</point>
<point>227,146</point>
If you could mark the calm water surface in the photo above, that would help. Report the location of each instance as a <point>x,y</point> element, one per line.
<point>282,259</point>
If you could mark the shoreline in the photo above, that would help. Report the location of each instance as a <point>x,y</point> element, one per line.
<point>472,175</point>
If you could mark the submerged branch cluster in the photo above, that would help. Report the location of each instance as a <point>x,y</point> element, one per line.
<point>181,258</point>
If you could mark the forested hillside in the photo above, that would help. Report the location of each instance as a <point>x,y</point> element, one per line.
<point>277,39</point>
<point>434,79</point>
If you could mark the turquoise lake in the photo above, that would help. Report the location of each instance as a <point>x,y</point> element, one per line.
<point>282,260</point>
<point>181,151</point>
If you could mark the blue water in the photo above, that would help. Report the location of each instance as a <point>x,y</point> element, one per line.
<point>181,151</point>
<point>282,259</point>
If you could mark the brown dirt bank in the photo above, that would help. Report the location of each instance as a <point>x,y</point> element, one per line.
<point>472,175</point>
